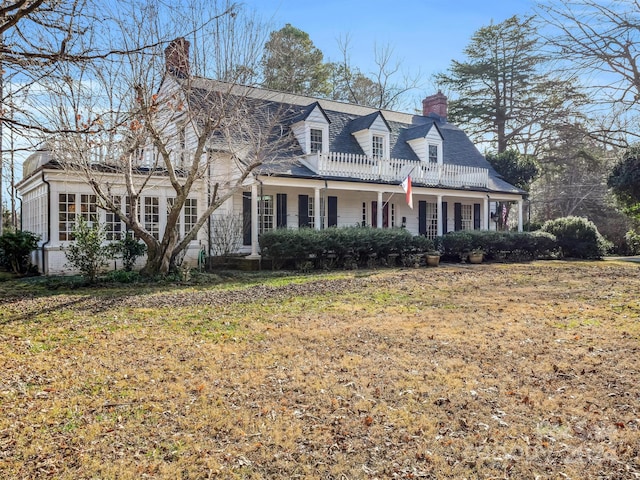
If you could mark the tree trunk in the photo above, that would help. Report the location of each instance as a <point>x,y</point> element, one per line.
<point>159,259</point>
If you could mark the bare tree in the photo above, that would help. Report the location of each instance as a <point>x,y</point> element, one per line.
<point>144,121</point>
<point>385,87</point>
<point>600,41</point>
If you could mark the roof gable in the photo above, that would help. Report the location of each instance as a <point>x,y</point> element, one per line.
<point>373,121</point>
<point>313,112</point>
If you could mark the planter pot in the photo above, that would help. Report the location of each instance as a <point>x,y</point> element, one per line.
<point>433,260</point>
<point>475,257</point>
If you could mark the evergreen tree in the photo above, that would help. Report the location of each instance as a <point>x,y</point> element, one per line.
<point>504,95</point>
<point>293,64</point>
<point>624,182</point>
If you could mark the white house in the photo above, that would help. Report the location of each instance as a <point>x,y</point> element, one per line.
<point>345,167</point>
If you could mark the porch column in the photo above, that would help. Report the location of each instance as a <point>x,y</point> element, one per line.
<point>379,216</point>
<point>486,213</point>
<point>316,209</point>
<point>520,215</point>
<point>254,222</point>
<point>439,215</point>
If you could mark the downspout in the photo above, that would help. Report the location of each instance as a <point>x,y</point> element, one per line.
<point>209,199</point>
<point>48,222</point>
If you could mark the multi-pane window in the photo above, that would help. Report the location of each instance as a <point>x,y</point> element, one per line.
<point>88,208</point>
<point>364,214</point>
<point>66,215</point>
<point>315,145</point>
<point>393,214</point>
<point>266,213</point>
<point>467,217</point>
<point>432,220</point>
<point>377,146</point>
<point>190,214</point>
<point>113,224</point>
<point>433,153</point>
<point>311,212</point>
<point>152,216</point>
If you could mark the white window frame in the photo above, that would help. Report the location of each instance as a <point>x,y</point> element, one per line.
<point>378,151</point>
<point>316,146</point>
<point>67,215</point>
<point>432,220</point>
<point>266,213</point>
<point>466,217</point>
<point>151,216</point>
<point>190,214</point>
<point>324,128</point>
<point>113,223</point>
<point>430,157</point>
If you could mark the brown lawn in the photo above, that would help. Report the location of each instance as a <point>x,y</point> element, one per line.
<point>483,371</point>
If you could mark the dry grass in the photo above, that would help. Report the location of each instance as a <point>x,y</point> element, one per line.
<point>487,371</point>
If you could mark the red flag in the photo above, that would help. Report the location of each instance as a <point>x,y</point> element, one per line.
<point>406,186</point>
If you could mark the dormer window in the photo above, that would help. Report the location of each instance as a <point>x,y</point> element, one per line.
<point>377,146</point>
<point>315,140</point>
<point>433,153</point>
<point>372,133</point>
<point>311,129</point>
<point>427,143</point>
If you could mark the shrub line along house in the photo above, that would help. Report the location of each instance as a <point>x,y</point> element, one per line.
<point>344,167</point>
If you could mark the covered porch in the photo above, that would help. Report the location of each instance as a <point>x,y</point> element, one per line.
<point>284,202</point>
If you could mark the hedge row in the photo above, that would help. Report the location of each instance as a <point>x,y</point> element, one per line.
<point>502,246</point>
<point>307,248</point>
<point>573,237</point>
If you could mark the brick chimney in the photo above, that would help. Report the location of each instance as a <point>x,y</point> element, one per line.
<point>435,104</point>
<point>177,58</point>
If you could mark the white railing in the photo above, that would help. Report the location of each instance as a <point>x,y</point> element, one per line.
<point>348,165</point>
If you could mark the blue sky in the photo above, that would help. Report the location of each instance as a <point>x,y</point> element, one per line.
<point>425,34</point>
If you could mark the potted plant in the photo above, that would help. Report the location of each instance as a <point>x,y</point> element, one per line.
<point>476,255</point>
<point>433,258</point>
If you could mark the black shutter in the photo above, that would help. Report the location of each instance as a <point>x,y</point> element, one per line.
<point>422,217</point>
<point>374,214</point>
<point>476,216</point>
<point>281,210</point>
<point>246,218</point>
<point>303,211</point>
<point>332,221</point>
<point>457,216</point>
<point>444,218</point>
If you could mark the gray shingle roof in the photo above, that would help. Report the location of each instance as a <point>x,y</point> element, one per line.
<point>345,119</point>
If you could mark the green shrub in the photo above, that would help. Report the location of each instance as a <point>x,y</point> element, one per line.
<point>498,245</point>
<point>577,237</point>
<point>632,239</point>
<point>122,276</point>
<point>456,244</point>
<point>15,249</point>
<point>346,247</point>
<point>87,253</point>
<point>129,249</point>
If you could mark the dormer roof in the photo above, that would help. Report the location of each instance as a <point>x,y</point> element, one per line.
<point>366,122</point>
<point>306,112</point>
<point>421,131</point>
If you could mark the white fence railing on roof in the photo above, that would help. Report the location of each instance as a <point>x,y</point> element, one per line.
<point>346,165</point>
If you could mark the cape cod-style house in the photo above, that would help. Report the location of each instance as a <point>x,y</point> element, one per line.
<point>345,167</point>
